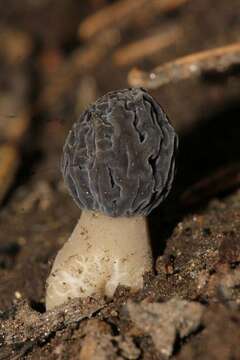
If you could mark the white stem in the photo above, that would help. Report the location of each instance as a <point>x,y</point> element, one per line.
<point>102,253</point>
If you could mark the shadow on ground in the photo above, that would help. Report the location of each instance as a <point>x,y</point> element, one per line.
<point>211,146</point>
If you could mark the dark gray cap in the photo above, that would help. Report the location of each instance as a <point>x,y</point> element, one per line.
<point>119,157</point>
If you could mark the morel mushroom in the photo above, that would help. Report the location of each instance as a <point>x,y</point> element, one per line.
<point>119,164</point>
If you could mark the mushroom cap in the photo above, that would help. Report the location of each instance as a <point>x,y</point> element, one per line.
<point>119,157</point>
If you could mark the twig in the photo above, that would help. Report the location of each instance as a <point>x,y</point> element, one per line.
<point>94,52</point>
<point>81,62</point>
<point>122,12</point>
<point>147,46</point>
<point>194,65</point>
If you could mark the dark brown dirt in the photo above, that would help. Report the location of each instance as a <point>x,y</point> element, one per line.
<point>195,234</point>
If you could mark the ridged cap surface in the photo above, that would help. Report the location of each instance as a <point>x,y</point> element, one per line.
<point>119,157</point>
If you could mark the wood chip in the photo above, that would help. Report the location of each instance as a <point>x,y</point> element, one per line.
<point>194,65</point>
<point>165,321</point>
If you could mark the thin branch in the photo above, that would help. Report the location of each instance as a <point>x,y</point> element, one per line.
<point>147,46</point>
<point>82,61</point>
<point>194,65</point>
<point>122,12</point>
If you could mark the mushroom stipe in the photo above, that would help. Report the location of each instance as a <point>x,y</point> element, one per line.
<point>118,164</point>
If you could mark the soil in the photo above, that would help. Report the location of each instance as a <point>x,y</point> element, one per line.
<point>190,307</point>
